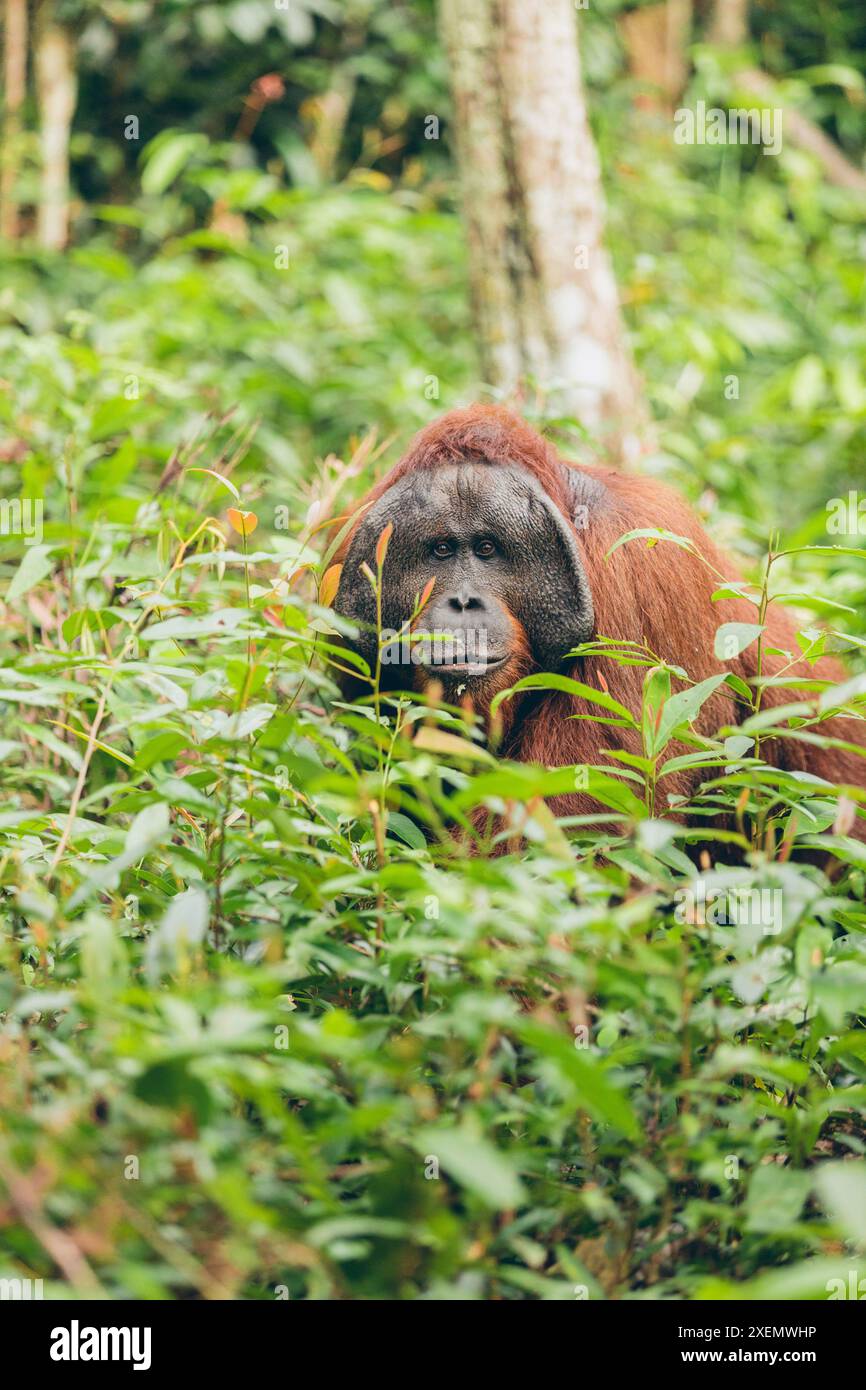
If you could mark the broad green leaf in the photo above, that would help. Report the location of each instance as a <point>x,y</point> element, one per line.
<point>165,157</point>
<point>569,687</point>
<point>841,1188</point>
<point>474,1163</point>
<point>221,621</point>
<point>685,707</point>
<point>775,1198</point>
<point>433,740</point>
<point>148,828</point>
<point>35,566</point>
<point>732,639</point>
<point>585,1074</point>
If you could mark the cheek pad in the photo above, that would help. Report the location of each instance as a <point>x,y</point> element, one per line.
<point>551,597</point>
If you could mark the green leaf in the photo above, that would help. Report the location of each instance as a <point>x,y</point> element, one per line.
<point>585,1075</point>
<point>35,566</point>
<point>148,828</point>
<point>167,155</point>
<point>182,929</point>
<point>222,620</point>
<point>523,782</point>
<point>162,748</point>
<point>836,695</point>
<point>406,830</point>
<point>841,1188</point>
<point>570,687</point>
<point>172,1086</point>
<point>732,639</point>
<point>652,535</point>
<point>775,1198</point>
<point>433,740</point>
<point>97,743</point>
<point>751,1061</point>
<point>808,384</point>
<point>684,708</point>
<point>738,746</point>
<point>656,691</point>
<point>224,482</point>
<point>474,1163</point>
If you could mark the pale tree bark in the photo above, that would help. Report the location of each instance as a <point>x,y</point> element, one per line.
<point>14,89</point>
<point>729,27</point>
<point>57,90</point>
<point>332,108</point>
<point>544,296</point>
<point>655,39</point>
<point>331,111</point>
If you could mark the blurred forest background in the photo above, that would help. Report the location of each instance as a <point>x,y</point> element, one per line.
<point>202,137</point>
<point>248,1008</point>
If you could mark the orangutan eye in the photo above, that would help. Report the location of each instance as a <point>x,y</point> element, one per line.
<point>443,550</point>
<point>484,549</point>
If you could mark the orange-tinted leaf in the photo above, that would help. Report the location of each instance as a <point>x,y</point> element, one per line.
<point>329,585</point>
<point>297,575</point>
<point>425,595</point>
<point>382,544</point>
<point>244,522</point>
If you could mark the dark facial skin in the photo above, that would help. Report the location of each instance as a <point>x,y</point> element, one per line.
<point>509,589</point>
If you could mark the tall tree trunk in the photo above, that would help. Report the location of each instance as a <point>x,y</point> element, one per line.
<point>544,296</point>
<point>729,27</point>
<point>57,87</point>
<point>15,86</point>
<point>331,116</point>
<point>331,110</point>
<point>655,39</point>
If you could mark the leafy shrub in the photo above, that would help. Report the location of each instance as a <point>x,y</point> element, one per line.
<point>269,1026</point>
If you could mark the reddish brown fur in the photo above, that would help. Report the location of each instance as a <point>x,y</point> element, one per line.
<point>659,596</point>
<point>481,434</point>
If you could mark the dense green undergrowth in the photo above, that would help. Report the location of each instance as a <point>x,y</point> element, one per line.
<point>269,1028</point>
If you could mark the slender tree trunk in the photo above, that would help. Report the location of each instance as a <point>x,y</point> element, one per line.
<point>15,86</point>
<point>655,39</point>
<point>332,114</point>
<point>333,107</point>
<point>729,27</point>
<point>57,87</point>
<point>544,296</point>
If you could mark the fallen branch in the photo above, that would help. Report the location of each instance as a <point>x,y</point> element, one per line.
<point>26,1198</point>
<point>805,133</point>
